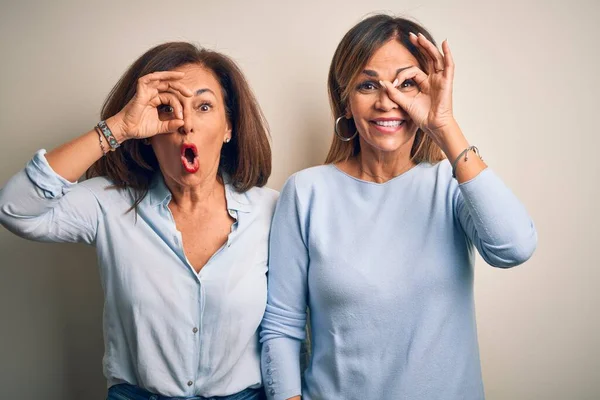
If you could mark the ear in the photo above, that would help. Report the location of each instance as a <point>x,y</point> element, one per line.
<point>227,136</point>
<point>348,112</point>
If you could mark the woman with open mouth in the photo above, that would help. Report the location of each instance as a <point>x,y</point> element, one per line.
<point>379,242</point>
<point>176,209</point>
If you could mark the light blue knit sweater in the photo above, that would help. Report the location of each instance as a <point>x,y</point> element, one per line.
<point>387,271</point>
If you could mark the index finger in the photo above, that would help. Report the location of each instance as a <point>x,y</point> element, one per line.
<point>414,73</point>
<point>162,75</point>
<point>396,95</point>
<point>164,86</point>
<point>432,52</point>
<point>448,59</point>
<point>170,99</point>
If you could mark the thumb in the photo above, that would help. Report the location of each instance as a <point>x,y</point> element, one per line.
<point>171,125</point>
<point>397,96</point>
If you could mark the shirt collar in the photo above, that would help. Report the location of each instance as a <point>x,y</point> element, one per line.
<point>235,200</point>
<point>159,193</point>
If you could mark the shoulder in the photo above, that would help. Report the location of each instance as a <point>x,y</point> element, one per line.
<point>106,193</point>
<point>438,176</point>
<point>438,184</point>
<point>315,174</point>
<point>100,184</point>
<point>97,184</point>
<point>439,170</point>
<point>257,199</point>
<point>302,188</point>
<point>262,195</point>
<point>308,179</point>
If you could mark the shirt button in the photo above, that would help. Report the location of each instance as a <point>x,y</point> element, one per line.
<point>272,392</point>
<point>195,330</point>
<point>190,383</point>
<point>270,381</point>
<point>232,213</point>
<point>268,359</point>
<point>154,397</point>
<point>269,371</point>
<point>267,348</point>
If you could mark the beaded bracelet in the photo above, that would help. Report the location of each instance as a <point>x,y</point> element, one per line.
<point>110,138</point>
<point>100,135</point>
<point>465,152</point>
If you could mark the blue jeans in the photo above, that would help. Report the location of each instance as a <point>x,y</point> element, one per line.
<point>130,392</point>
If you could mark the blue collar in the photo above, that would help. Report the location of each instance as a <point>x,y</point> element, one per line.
<point>159,193</point>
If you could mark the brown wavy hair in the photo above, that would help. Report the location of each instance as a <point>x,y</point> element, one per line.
<point>351,56</point>
<point>246,158</point>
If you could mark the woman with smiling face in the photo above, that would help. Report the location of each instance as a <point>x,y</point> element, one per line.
<point>176,210</point>
<point>379,242</point>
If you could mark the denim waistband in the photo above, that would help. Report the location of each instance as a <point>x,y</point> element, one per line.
<point>126,391</point>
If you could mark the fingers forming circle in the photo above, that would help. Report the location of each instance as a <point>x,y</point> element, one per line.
<point>435,58</point>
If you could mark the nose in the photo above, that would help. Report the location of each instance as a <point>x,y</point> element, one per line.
<point>384,103</point>
<point>187,126</point>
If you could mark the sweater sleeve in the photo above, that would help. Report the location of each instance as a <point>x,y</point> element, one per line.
<point>283,326</point>
<point>39,204</point>
<point>495,220</point>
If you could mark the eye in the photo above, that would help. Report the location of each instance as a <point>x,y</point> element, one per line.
<point>165,108</point>
<point>368,86</point>
<point>204,107</point>
<point>408,83</point>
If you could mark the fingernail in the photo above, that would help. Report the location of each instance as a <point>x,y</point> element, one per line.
<point>412,34</point>
<point>180,114</point>
<point>381,83</point>
<point>395,83</point>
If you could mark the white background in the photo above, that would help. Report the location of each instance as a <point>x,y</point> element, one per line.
<point>526,93</point>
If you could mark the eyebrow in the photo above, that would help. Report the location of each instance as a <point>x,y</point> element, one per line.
<point>200,91</point>
<point>374,74</point>
<point>196,93</point>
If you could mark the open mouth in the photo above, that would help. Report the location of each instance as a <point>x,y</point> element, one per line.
<point>189,157</point>
<point>388,125</point>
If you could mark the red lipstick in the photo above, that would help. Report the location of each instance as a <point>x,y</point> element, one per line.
<point>189,158</point>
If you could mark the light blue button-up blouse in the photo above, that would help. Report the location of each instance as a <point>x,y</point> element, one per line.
<point>167,328</point>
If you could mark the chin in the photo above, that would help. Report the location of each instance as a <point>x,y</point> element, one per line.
<point>191,177</point>
<point>178,174</point>
<point>390,144</point>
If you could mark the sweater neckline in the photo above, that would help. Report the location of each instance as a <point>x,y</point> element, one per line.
<point>394,179</point>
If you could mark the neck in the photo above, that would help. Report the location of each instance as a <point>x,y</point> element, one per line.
<point>202,196</point>
<point>379,166</point>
